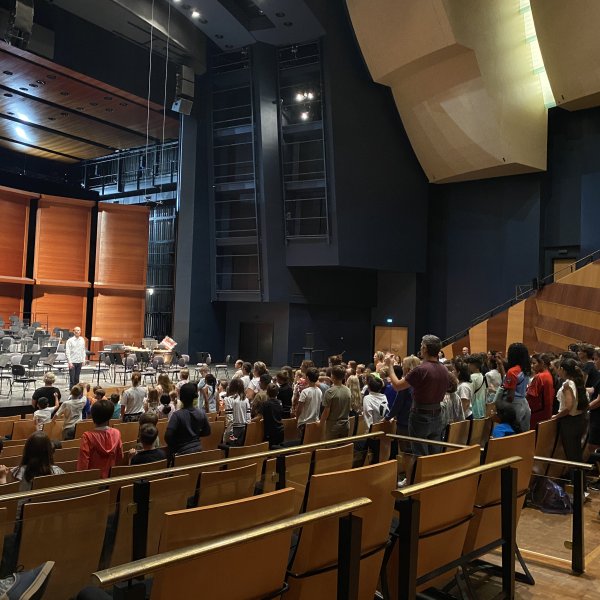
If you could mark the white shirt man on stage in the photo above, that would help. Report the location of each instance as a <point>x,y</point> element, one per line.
<point>75,351</point>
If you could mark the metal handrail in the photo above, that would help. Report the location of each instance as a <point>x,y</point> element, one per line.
<point>574,266</point>
<point>417,488</point>
<point>157,562</point>
<point>409,438</point>
<point>565,463</point>
<point>184,468</point>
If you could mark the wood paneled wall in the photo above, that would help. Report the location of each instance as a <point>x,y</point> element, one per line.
<point>119,316</point>
<point>62,307</point>
<point>122,247</point>
<point>14,216</point>
<point>559,314</point>
<point>61,263</point>
<point>120,280</point>
<point>62,248</point>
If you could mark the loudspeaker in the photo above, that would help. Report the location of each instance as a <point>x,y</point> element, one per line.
<point>182,105</point>
<point>309,340</point>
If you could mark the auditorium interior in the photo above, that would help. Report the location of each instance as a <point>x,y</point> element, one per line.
<point>194,192</point>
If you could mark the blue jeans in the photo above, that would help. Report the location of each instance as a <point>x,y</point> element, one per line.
<point>428,426</point>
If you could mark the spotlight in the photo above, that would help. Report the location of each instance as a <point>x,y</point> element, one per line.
<point>299,97</point>
<point>310,95</point>
<point>151,291</point>
<point>195,14</point>
<point>304,116</point>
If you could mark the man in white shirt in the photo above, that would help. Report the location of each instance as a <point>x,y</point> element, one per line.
<point>75,351</point>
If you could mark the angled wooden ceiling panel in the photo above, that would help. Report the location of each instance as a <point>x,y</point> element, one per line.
<point>53,112</point>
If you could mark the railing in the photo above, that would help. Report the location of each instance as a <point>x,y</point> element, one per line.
<point>348,559</point>
<point>574,266</point>
<point>124,479</point>
<point>577,563</point>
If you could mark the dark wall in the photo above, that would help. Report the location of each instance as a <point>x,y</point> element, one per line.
<point>380,188</point>
<point>91,50</point>
<point>336,329</point>
<point>484,239</point>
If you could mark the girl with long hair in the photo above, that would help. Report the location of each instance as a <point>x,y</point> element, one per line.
<point>516,380</point>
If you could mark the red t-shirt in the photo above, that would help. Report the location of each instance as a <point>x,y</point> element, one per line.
<point>540,395</point>
<point>512,375</point>
<point>429,382</point>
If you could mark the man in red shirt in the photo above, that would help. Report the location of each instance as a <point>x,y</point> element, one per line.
<point>429,382</point>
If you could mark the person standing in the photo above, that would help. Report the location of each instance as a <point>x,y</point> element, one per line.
<point>336,401</point>
<point>429,382</point>
<point>75,351</point>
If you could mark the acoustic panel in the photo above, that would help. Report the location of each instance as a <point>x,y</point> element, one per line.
<point>460,72</point>
<point>11,300</point>
<point>119,316</point>
<point>122,247</point>
<point>62,246</point>
<point>568,37</point>
<point>62,307</point>
<point>478,336</point>
<point>14,211</point>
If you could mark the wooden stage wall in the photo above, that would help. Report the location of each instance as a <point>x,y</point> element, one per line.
<point>74,280</point>
<point>562,313</point>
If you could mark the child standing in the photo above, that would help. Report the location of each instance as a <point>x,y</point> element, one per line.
<point>309,402</point>
<point>43,414</point>
<point>100,448</point>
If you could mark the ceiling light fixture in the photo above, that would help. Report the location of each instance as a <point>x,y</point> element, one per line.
<point>21,133</point>
<point>304,116</point>
<point>23,117</point>
<point>195,14</point>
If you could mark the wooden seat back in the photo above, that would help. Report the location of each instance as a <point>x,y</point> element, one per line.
<point>161,427</point>
<point>12,451</point>
<point>133,469</point>
<point>318,543</point>
<point>6,428</point>
<point>195,458</point>
<point>67,466</point>
<point>46,526</point>
<point>70,443</point>
<point>480,431</point>
<point>46,481</point>
<point>212,441</point>
<point>10,418</point>
<point>261,577</point>
<point>10,506</point>
<point>23,429</point>
<point>54,429</point>
<point>444,514</point>
<point>290,429</point>
<point>65,454</point>
<point>82,426</point>
<point>458,432</point>
<point>212,416</point>
<point>129,431</point>
<point>166,494</point>
<point>114,422</point>
<point>485,526</point>
<point>243,450</point>
<point>297,472</point>
<point>545,444</point>
<point>313,432</point>
<point>384,442</point>
<point>255,433</point>
<point>11,461</point>
<point>362,426</point>
<point>351,425</point>
<point>328,460</point>
<point>225,486</point>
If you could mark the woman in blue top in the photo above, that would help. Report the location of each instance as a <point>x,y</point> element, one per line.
<point>516,380</point>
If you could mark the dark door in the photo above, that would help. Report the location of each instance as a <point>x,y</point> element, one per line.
<point>256,342</point>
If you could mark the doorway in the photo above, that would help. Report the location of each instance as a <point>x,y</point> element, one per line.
<point>391,339</point>
<point>256,342</point>
<point>562,267</point>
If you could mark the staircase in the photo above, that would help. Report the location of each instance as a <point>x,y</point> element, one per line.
<point>545,320</point>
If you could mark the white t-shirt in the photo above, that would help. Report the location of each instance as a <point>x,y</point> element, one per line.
<point>560,396</point>
<point>494,379</point>
<point>254,384</point>
<point>133,399</point>
<point>246,381</point>
<point>465,390</point>
<point>375,406</point>
<point>71,409</point>
<point>41,416</point>
<point>310,398</point>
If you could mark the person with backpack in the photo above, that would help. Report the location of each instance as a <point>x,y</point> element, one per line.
<point>515,382</point>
